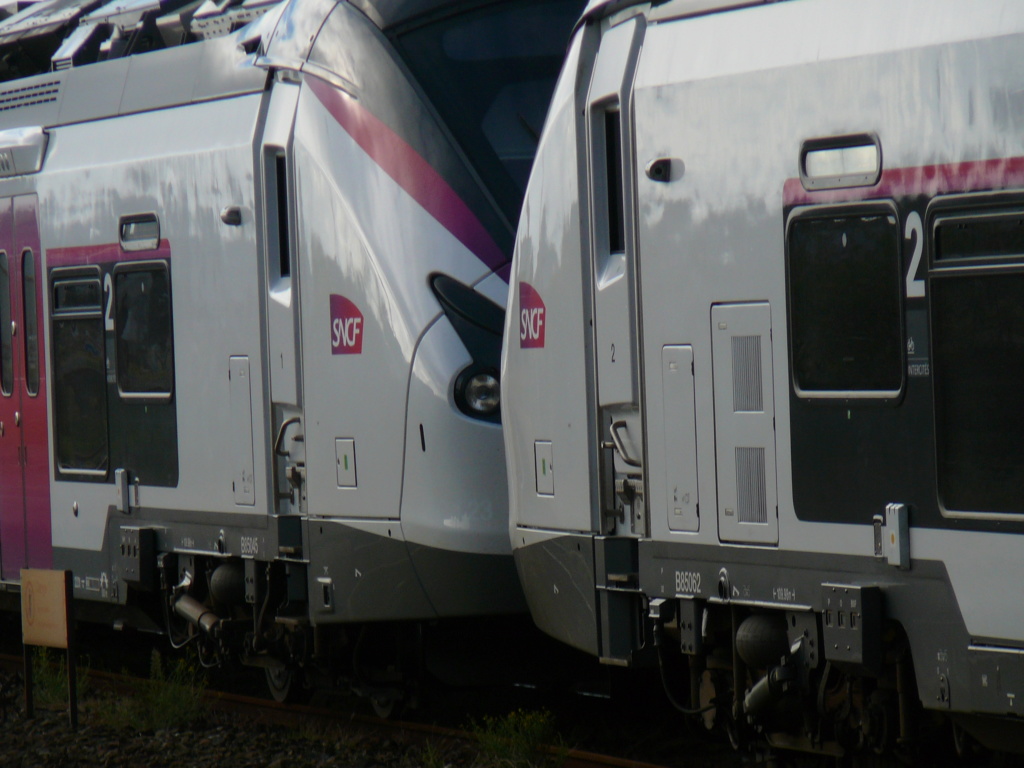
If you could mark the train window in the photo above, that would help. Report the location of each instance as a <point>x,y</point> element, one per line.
<point>977,322</point>
<point>28,275</point>
<point>6,348</point>
<point>845,302</point>
<point>145,350</point>
<point>993,236</point>
<point>613,174</point>
<point>79,376</point>
<point>140,232</point>
<point>977,369</point>
<point>490,73</point>
<point>838,162</point>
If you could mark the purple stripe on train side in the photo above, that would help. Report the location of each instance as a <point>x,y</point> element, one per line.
<point>80,255</point>
<point>929,180</point>
<point>412,172</point>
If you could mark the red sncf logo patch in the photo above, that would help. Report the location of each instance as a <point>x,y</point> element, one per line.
<point>346,327</point>
<point>532,317</point>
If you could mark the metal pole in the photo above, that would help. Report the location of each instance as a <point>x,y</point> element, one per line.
<point>72,653</point>
<point>30,711</point>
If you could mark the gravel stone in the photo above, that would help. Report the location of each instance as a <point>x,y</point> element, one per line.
<point>221,740</point>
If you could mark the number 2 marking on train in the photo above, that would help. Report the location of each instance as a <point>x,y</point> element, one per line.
<point>108,313</point>
<point>914,231</point>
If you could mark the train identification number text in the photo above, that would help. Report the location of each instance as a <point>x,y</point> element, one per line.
<point>687,582</point>
<point>250,545</point>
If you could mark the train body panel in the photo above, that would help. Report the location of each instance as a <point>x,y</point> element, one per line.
<point>25,538</point>
<point>542,406</point>
<point>268,382</point>
<point>824,405</point>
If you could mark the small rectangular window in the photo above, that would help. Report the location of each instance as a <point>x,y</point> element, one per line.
<point>993,236</point>
<point>283,240</point>
<point>845,302</point>
<point>6,348</point>
<point>613,175</point>
<point>140,232</point>
<point>71,295</point>
<point>144,339</point>
<point>79,377</point>
<point>842,161</point>
<point>838,162</point>
<point>28,277</point>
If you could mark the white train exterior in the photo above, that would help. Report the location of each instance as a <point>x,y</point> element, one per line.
<point>252,298</point>
<point>763,359</point>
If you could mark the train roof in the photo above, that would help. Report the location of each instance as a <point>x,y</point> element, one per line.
<point>396,14</point>
<point>55,35</point>
<point>669,9</point>
<point>65,61</point>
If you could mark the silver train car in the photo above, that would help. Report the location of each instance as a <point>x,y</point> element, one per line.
<point>761,378</point>
<point>253,266</point>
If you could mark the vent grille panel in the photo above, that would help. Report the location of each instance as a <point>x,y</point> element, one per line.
<point>751,491</point>
<point>30,96</point>
<point>746,374</point>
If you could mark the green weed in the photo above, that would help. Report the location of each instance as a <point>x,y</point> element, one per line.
<point>171,698</point>
<point>50,678</point>
<point>518,740</point>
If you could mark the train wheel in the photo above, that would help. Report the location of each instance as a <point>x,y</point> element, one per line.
<point>285,684</point>
<point>383,705</point>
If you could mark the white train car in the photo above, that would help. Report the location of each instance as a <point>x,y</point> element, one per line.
<point>762,365</point>
<point>251,293</point>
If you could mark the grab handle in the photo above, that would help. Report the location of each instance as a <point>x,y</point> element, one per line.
<point>619,445</point>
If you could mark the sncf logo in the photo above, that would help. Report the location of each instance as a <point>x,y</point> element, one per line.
<point>531,317</point>
<point>346,327</point>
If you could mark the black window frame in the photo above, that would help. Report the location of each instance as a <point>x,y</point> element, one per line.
<point>858,209</point>
<point>140,395</point>
<point>91,312</point>
<point>944,270</point>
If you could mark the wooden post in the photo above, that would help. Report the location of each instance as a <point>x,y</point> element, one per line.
<point>30,710</point>
<point>47,619</point>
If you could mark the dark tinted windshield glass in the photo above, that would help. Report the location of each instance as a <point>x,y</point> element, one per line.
<point>490,74</point>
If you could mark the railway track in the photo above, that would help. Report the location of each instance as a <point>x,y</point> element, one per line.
<point>251,712</point>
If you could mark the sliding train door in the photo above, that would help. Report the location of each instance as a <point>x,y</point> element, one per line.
<point>24,447</point>
<point>615,321</point>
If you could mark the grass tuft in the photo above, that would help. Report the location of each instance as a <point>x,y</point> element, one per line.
<point>521,739</point>
<point>171,698</point>
<point>50,678</point>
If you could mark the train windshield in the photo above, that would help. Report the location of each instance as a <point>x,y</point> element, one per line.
<point>490,73</point>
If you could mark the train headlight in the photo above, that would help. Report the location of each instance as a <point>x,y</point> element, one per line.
<point>482,394</point>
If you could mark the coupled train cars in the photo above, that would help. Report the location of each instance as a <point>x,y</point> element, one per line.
<point>253,267</point>
<point>763,363</point>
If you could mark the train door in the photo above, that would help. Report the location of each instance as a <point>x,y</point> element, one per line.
<point>613,255</point>
<point>24,453</point>
<point>282,302</point>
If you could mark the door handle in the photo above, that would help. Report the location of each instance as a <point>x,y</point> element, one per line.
<point>619,445</point>
<point>279,442</point>
<point>17,418</point>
